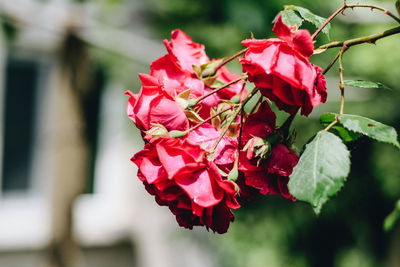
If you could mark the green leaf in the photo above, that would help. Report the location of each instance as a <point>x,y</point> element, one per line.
<point>233,174</point>
<point>290,17</point>
<point>347,136</point>
<point>208,69</point>
<point>327,118</point>
<point>177,134</point>
<point>307,15</point>
<point>398,7</point>
<point>370,128</point>
<point>365,84</point>
<point>392,218</point>
<point>322,169</point>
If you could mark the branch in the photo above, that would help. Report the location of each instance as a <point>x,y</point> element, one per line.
<point>229,59</point>
<point>244,77</point>
<point>344,7</point>
<point>341,82</point>
<point>365,39</point>
<point>226,128</point>
<point>341,9</point>
<point>372,7</point>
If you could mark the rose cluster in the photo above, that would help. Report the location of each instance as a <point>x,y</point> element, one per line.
<point>203,152</point>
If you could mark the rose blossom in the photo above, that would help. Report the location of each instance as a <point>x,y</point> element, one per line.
<point>153,105</point>
<point>269,175</point>
<point>282,70</point>
<point>175,72</point>
<point>178,174</point>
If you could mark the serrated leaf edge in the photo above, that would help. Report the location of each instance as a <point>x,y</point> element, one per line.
<point>396,144</point>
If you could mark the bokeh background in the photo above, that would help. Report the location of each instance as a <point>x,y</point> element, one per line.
<point>69,194</point>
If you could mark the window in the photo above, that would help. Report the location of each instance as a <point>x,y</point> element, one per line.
<point>19,119</point>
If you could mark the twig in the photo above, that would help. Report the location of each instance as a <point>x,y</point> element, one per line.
<point>372,7</point>
<point>226,128</point>
<point>207,120</point>
<point>331,64</point>
<point>218,89</point>
<point>331,124</point>
<point>341,82</point>
<point>229,59</point>
<point>344,7</point>
<point>365,39</point>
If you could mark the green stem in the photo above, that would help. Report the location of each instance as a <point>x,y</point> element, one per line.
<point>361,40</point>
<point>331,64</point>
<point>256,105</point>
<point>226,128</point>
<point>372,7</point>
<point>344,7</point>
<point>284,129</point>
<point>219,89</point>
<point>229,59</point>
<point>341,82</point>
<point>207,120</point>
<point>331,124</point>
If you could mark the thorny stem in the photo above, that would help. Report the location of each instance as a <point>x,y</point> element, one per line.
<point>341,83</point>
<point>229,59</point>
<point>331,124</point>
<point>244,77</point>
<point>239,109</point>
<point>236,164</point>
<point>372,7</point>
<point>331,64</point>
<point>209,119</point>
<point>257,103</point>
<point>286,125</point>
<point>365,39</point>
<point>344,7</point>
<point>226,128</point>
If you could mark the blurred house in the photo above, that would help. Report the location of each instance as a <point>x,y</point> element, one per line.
<point>69,195</point>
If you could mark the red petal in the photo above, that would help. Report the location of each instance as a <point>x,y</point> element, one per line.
<point>282,30</point>
<point>173,155</point>
<point>185,51</point>
<point>168,113</point>
<point>303,43</point>
<point>195,180</point>
<point>282,160</point>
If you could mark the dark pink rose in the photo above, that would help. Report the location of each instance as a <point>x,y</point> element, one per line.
<point>270,174</point>
<point>175,74</point>
<point>154,105</point>
<point>178,174</point>
<point>173,79</point>
<point>260,124</point>
<point>185,52</point>
<point>282,70</point>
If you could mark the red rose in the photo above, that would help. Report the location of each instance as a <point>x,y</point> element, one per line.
<point>272,175</point>
<point>179,175</point>
<point>175,72</point>
<point>260,124</point>
<point>174,79</point>
<point>154,105</point>
<point>282,70</point>
<point>185,52</point>
<point>269,174</point>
